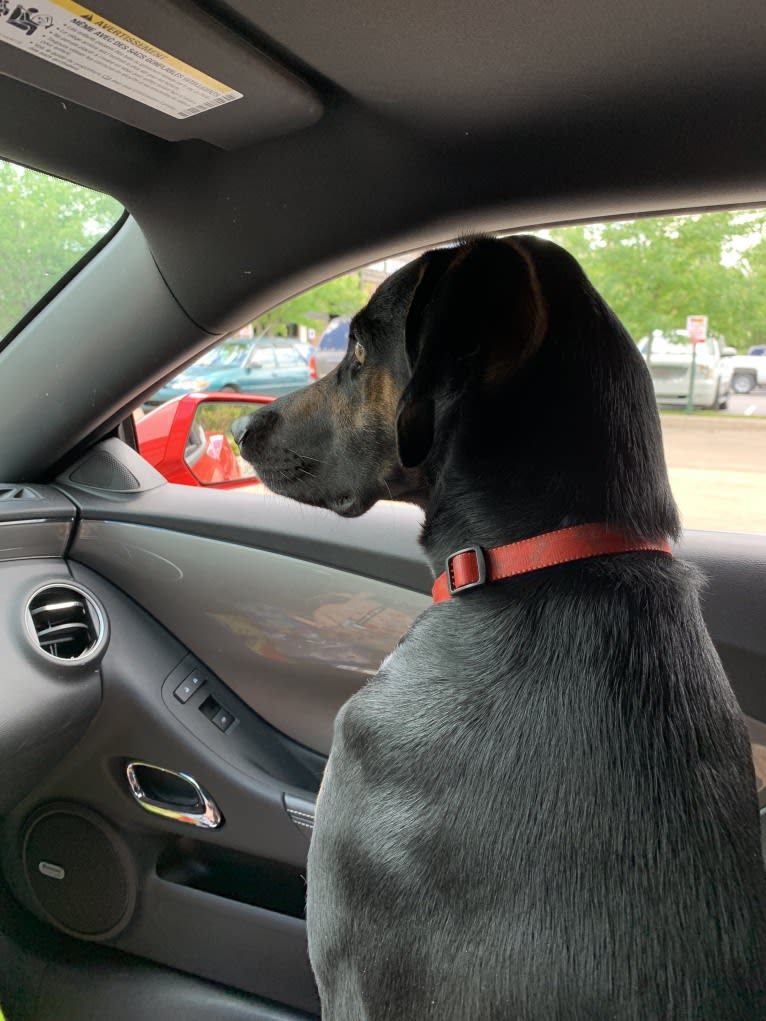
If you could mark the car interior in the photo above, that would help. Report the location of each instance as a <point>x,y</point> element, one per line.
<point>173,657</point>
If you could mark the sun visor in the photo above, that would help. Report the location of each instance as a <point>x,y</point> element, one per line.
<point>166,68</point>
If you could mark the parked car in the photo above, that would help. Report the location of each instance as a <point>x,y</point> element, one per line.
<point>269,366</point>
<point>749,371</point>
<point>332,345</point>
<point>669,357</point>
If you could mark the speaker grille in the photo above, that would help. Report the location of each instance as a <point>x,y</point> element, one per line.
<point>102,470</point>
<point>78,873</point>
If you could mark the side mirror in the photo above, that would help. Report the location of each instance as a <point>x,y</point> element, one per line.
<point>728,352</point>
<point>188,440</point>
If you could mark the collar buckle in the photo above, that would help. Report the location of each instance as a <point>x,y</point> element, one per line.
<point>466,573</point>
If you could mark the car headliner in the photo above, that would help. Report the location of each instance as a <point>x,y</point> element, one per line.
<point>367,129</point>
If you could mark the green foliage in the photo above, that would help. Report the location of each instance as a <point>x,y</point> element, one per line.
<point>314,308</point>
<point>655,272</point>
<point>46,225</point>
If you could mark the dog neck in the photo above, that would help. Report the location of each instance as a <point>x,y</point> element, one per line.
<point>514,485</point>
<point>474,567</point>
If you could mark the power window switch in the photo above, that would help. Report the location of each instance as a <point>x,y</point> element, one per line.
<point>187,687</point>
<point>223,719</point>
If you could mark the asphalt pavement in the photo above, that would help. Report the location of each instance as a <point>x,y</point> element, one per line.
<point>717,467</point>
<point>752,404</point>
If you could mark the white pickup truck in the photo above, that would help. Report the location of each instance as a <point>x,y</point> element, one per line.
<point>748,371</point>
<point>669,358</point>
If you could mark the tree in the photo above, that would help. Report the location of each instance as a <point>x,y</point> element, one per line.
<point>655,272</point>
<point>46,225</point>
<point>314,308</point>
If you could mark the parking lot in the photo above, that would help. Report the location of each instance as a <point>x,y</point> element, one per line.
<point>717,466</point>
<point>752,404</point>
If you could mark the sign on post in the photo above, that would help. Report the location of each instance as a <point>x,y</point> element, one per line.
<point>697,329</point>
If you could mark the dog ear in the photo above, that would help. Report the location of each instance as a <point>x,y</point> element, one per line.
<point>477,310</point>
<point>416,412</point>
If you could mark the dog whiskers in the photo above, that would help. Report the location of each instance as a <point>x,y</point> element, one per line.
<point>306,457</point>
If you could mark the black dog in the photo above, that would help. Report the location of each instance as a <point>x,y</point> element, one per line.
<point>543,806</point>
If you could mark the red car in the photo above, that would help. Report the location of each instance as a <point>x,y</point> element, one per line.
<point>177,440</point>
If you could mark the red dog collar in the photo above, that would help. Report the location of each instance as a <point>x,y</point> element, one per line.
<point>474,566</point>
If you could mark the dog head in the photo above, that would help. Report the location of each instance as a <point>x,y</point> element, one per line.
<point>491,369</point>
<point>454,319</point>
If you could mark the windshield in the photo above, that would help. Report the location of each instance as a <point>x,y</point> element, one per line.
<point>224,355</point>
<point>46,227</point>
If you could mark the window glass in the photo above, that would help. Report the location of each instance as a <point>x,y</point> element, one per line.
<point>47,225</point>
<point>288,357</point>
<point>654,273</point>
<point>224,355</point>
<point>263,358</point>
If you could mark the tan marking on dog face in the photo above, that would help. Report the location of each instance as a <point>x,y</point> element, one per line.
<point>380,397</point>
<point>321,398</point>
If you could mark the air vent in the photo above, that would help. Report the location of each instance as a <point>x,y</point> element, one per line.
<point>66,624</point>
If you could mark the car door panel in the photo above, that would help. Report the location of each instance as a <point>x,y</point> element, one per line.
<point>48,976</point>
<point>180,874</point>
<point>283,633</point>
<point>236,586</point>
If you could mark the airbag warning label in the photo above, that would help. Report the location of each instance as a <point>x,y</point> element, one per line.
<point>75,38</point>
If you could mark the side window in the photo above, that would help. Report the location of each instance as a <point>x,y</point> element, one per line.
<point>288,357</point>
<point>47,225</point>
<point>663,277</point>
<point>679,279</point>
<point>263,358</point>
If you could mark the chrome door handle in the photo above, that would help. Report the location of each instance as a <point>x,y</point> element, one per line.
<point>172,795</point>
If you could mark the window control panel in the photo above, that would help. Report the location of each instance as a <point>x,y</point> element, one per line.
<point>194,692</point>
<point>218,718</point>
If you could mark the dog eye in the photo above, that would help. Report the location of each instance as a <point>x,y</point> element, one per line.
<point>359,353</point>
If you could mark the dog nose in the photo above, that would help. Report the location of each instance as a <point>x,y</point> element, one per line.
<point>253,429</point>
<point>239,427</point>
